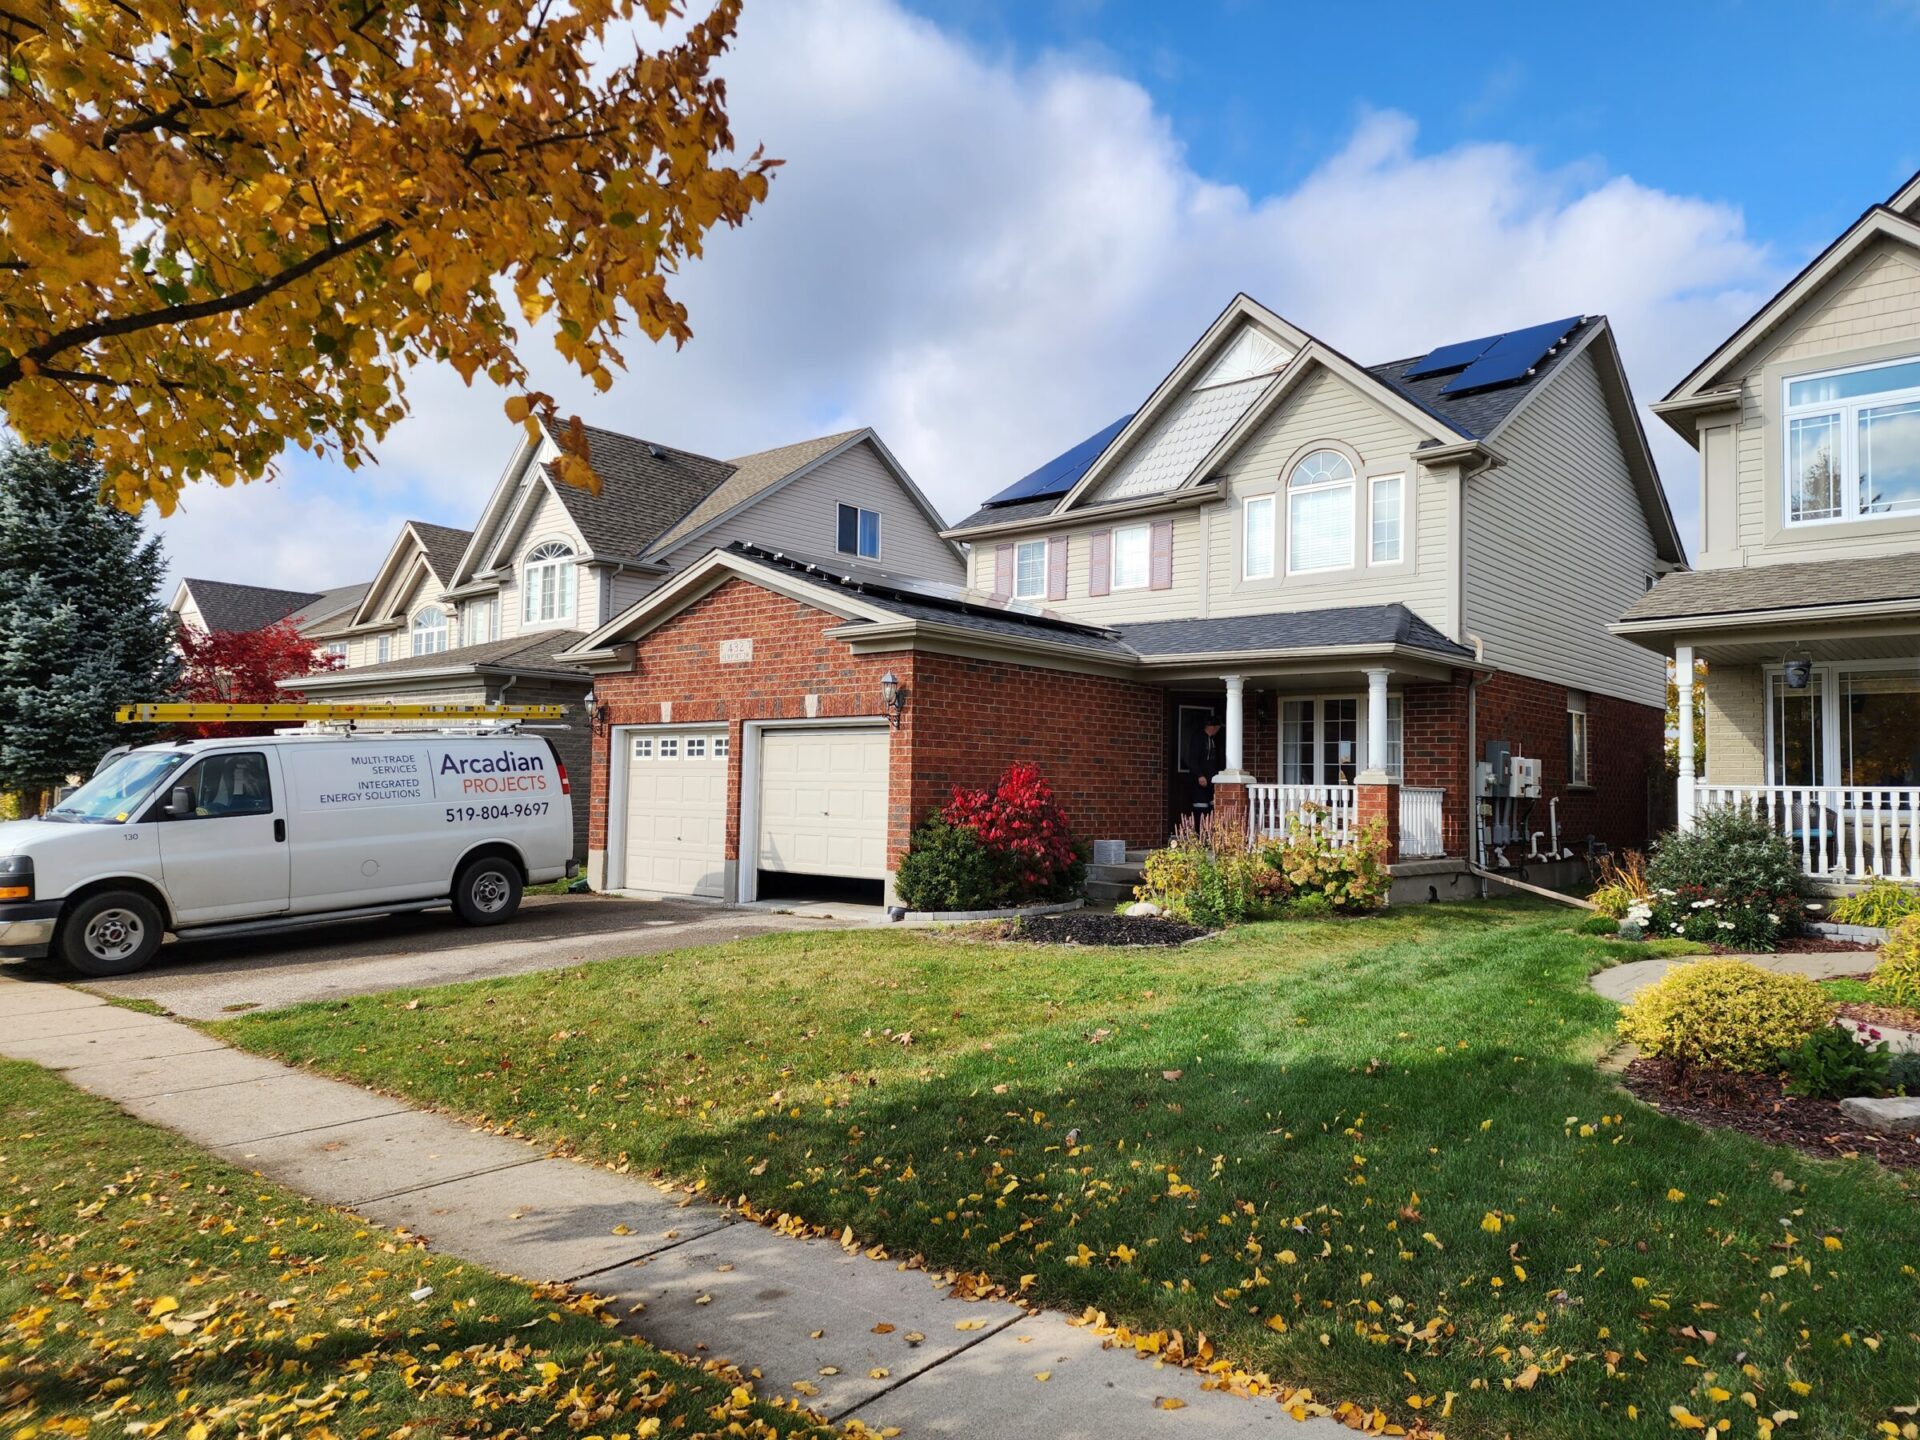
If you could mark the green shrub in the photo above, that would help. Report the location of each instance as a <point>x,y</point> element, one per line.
<point>1353,876</point>
<point>1831,1064</point>
<point>1725,1013</point>
<point>1612,901</point>
<point>1883,904</point>
<point>1602,924</point>
<point>1903,1073</point>
<point>1210,874</point>
<point>1310,905</point>
<point>1898,972</point>
<point>1730,880</point>
<point>946,867</point>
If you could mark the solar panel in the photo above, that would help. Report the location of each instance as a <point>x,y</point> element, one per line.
<point>1456,356</point>
<point>1512,356</point>
<point>1061,473</point>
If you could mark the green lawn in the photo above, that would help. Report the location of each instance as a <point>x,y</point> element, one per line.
<point>1372,1157</point>
<point>146,1288</point>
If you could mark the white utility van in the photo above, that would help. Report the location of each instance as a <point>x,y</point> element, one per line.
<point>222,837</point>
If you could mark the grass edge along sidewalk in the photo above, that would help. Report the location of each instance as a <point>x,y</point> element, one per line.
<point>146,1283</point>
<point>1374,1157</point>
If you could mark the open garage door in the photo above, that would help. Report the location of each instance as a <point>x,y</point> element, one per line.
<point>676,812</point>
<point>823,801</point>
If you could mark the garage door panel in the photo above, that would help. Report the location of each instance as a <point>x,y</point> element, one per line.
<point>676,813</point>
<point>823,801</point>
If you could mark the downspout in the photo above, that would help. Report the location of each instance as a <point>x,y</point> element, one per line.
<point>1474,867</point>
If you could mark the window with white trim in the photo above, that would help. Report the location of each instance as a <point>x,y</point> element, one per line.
<point>1132,557</point>
<point>1320,496</point>
<point>696,747</point>
<point>335,654</point>
<point>643,747</point>
<point>1579,750</point>
<point>477,621</point>
<point>669,747</point>
<point>546,584</point>
<point>721,745</point>
<point>857,532</point>
<point>1030,570</point>
<point>1384,518</point>
<point>1852,443</point>
<point>429,631</point>
<point>1323,740</point>
<point>1852,723</point>
<point>1257,523</point>
<point>383,649</point>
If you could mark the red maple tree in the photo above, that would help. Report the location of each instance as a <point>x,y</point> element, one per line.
<point>244,667</point>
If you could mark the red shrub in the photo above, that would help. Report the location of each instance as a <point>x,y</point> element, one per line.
<point>1021,825</point>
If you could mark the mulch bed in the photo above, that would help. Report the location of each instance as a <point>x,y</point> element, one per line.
<point>1760,1106</point>
<point>1094,927</point>
<point>1890,1017</point>
<point>1806,945</point>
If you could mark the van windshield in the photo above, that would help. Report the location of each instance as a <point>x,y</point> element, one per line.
<point>109,798</point>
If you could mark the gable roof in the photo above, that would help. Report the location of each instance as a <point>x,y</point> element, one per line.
<point>644,489</point>
<point>442,546</point>
<point>1697,391</point>
<point>332,610</point>
<point>753,475</point>
<point>519,654</point>
<point>229,607</point>
<point>1478,413</point>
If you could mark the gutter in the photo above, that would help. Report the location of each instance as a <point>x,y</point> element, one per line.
<point>1180,499</point>
<point>1905,608</point>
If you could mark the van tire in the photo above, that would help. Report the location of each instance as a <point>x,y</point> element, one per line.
<point>113,932</point>
<point>487,890</point>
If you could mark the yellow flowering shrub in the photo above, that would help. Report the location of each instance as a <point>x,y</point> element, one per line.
<point>1898,972</point>
<point>1725,1013</point>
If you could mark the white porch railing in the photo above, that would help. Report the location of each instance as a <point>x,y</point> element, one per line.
<point>1269,806</point>
<point>1422,821</point>
<point>1841,832</point>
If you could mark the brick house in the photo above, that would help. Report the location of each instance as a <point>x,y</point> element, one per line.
<point>1374,579</point>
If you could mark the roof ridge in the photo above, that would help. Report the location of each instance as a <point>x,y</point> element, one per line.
<point>834,435</point>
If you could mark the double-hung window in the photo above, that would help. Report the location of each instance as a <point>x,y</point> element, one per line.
<point>546,585</point>
<point>1383,510</point>
<point>1258,516</point>
<point>858,532</point>
<point>1852,443</point>
<point>1132,557</point>
<point>1579,755</point>
<point>1030,570</point>
<point>1320,495</point>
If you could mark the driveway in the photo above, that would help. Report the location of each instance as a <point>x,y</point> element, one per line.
<point>206,979</point>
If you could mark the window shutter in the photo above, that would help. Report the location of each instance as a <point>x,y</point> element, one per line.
<point>1160,570</point>
<point>1003,570</point>
<point>1100,564</point>
<point>1057,568</point>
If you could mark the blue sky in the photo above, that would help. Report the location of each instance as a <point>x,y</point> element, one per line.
<point>1000,223</point>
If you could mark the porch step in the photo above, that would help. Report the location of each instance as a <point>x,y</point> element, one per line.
<point>1111,883</point>
<point>1107,892</point>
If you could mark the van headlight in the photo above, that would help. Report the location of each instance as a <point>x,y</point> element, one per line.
<point>16,877</point>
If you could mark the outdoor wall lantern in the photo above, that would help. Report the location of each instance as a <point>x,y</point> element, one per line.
<point>1799,671</point>
<point>596,717</point>
<point>893,697</point>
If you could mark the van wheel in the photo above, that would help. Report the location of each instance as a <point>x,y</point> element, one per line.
<point>113,933</point>
<point>487,890</point>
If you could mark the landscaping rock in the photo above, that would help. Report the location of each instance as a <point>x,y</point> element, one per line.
<point>1899,1116</point>
<point>1142,907</point>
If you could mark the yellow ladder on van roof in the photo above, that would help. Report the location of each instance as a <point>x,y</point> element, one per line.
<point>212,714</point>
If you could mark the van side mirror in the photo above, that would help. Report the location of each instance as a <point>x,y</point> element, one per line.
<point>180,802</point>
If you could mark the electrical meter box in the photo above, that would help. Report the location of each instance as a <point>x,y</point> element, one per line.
<point>1493,772</point>
<point>1525,772</point>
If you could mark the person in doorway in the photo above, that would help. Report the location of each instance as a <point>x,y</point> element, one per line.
<point>1205,759</point>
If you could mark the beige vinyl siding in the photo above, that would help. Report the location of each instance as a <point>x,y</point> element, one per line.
<point>629,588</point>
<point>1558,545</point>
<point>1736,725</point>
<point>1874,302</point>
<point>426,591</point>
<point>547,521</point>
<point>801,517</point>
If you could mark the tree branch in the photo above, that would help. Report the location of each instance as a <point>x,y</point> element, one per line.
<point>13,369</point>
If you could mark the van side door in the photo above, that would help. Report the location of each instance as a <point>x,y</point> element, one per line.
<point>224,855</point>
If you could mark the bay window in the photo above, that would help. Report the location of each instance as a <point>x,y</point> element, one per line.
<point>1257,523</point>
<point>1852,443</point>
<point>1132,554</point>
<point>1320,502</point>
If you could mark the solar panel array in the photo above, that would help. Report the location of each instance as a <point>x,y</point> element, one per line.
<point>1063,472</point>
<point>1456,356</point>
<point>1493,360</point>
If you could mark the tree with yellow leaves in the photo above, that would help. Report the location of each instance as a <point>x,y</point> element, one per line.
<point>231,225</point>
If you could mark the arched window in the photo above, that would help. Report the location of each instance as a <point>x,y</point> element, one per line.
<point>429,630</point>
<point>546,584</point>
<point>1320,501</point>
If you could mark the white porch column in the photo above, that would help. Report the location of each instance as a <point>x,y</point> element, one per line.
<point>1683,690</point>
<point>1236,771</point>
<point>1376,771</point>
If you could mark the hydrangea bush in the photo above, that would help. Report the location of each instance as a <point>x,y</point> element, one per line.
<point>1731,880</point>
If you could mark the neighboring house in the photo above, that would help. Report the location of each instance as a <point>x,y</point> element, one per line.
<point>1367,573</point>
<point>211,605</point>
<point>482,615</point>
<point>1806,603</point>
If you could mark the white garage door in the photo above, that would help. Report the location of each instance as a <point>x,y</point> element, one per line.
<point>676,836</point>
<point>823,801</point>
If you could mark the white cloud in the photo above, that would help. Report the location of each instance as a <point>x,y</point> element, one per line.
<point>987,260</point>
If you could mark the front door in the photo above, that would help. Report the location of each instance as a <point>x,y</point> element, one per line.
<point>1187,718</point>
<point>226,857</point>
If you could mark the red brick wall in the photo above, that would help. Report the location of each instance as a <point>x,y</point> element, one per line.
<point>1097,740</point>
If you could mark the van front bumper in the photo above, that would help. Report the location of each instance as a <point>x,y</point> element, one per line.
<point>26,929</point>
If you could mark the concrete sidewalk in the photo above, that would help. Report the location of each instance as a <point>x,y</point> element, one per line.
<point>849,1337</point>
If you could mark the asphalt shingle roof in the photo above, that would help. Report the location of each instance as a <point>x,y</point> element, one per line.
<point>1347,625</point>
<point>226,606</point>
<point>1689,593</point>
<point>333,610</point>
<point>641,493</point>
<point>444,546</point>
<point>752,474</point>
<point>1479,414</point>
<point>1018,510</point>
<point>533,652</point>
